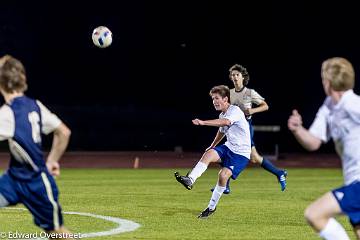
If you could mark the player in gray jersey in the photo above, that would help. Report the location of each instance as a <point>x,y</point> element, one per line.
<point>338,119</point>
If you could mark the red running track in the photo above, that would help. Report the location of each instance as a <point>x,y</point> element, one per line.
<point>175,160</point>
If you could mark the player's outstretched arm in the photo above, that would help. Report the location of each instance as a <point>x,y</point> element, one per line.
<point>302,135</point>
<point>214,123</point>
<point>60,142</point>
<point>262,107</point>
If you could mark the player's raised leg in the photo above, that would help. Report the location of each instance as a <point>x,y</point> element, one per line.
<point>207,158</point>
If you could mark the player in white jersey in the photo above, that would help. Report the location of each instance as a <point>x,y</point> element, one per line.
<point>251,102</point>
<point>339,119</point>
<point>233,156</point>
<point>29,179</point>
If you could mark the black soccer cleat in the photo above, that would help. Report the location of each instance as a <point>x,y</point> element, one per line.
<point>206,213</point>
<point>184,180</point>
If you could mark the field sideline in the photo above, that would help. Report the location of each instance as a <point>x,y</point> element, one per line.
<point>255,209</point>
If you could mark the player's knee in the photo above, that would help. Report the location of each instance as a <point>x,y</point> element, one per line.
<point>223,177</point>
<point>310,215</point>
<point>209,156</point>
<point>255,158</point>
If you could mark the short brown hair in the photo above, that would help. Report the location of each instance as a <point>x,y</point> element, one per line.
<point>339,72</point>
<point>222,90</point>
<point>243,71</point>
<point>12,75</point>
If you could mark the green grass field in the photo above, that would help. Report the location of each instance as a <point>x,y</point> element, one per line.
<point>255,209</point>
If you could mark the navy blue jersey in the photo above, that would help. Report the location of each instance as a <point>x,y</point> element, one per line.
<point>21,122</point>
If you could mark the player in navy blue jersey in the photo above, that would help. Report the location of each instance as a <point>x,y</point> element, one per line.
<point>29,179</point>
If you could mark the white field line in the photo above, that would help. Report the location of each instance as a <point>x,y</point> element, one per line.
<point>123,225</point>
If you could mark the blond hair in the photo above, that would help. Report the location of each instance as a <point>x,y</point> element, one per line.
<point>12,75</point>
<point>339,72</point>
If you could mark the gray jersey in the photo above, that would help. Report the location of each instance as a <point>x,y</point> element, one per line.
<point>341,122</point>
<point>245,98</point>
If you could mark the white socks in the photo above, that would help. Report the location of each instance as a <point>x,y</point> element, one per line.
<point>216,195</point>
<point>333,231</point>
<point>199,169</point>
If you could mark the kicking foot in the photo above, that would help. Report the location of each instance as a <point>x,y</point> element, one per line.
<point>184,180</point>
<point>282,180</point>
<point>206,213</point>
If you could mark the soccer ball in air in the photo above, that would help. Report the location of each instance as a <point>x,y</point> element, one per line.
<point>102,37</point>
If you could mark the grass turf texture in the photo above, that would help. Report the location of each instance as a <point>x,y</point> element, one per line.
<point>255,209</point>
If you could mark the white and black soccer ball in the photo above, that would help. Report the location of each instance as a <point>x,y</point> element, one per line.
<point>102,37</point>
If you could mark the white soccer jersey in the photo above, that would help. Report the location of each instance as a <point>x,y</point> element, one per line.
<point>238,133</point>
<point>341,122</point>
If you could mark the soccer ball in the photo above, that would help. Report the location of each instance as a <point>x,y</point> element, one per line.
<point>102,37</point>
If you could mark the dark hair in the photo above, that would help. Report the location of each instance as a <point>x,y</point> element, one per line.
<point>12,75</point>
<point>222,90</point>
<point>243,71</point>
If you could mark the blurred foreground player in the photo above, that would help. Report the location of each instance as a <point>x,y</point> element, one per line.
<point>338,118</point>
<point>29,180</point>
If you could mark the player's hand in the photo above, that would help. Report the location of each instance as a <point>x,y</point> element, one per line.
<point>295,121</point>
<point>197,121</point>
<point>248,111</point>
<point>53,167</point>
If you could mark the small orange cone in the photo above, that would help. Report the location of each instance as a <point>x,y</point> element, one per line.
<point>136,163</point>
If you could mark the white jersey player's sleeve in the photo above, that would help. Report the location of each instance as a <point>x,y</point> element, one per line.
<point>319,127</point>
<point>234,114</point>
<point>353,109</point>
<point>256,97</point>
<point>49,120</point>
<point>7,123</point>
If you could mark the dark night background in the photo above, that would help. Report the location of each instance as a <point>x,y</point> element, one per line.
<point>142,92</point>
